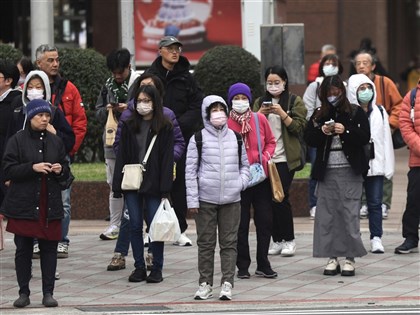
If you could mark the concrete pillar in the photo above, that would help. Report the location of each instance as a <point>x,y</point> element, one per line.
<point>42,24</point>
<point>127,28</point>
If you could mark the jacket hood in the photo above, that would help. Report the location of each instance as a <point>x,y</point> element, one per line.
<point>44,79</point>
<point>353,84</point>
<point>207,101</point>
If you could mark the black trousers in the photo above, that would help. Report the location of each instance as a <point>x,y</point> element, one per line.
<point>259,196</point>
<point>411,217</point>
<point>283,228</point>
<point>179,194</point>
<point>23,263</point>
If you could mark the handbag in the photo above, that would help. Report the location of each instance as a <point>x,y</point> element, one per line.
<point>133,173</point>
<point>65,184</point>
<point>256,169</point>
<point>275,182</point>
<point>397,139</point>
<point>164,226</point>
<point>110,129</point>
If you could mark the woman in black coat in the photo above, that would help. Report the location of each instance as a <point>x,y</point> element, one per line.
<point>35,169</point>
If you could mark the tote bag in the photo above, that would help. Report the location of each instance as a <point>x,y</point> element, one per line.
<point>164,226</point>
<point>256,169</point>
<point>275,182</point>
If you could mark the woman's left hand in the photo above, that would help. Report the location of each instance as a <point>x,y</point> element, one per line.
<point>339,128</point>
<point>278,110</point>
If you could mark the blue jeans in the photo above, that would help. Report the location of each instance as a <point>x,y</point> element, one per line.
<point>374,191</point>
<point>312,182</point>
<point>137,204</point>
<point>123,241</point>
<point>65,222</point>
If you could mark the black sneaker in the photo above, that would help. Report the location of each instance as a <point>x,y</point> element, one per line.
<point>409,246</point>
<point>155,276</point>
<point>49,301</point>
<point>266,273</point>
<point>22,301</point>
<point>243,274</point>
<point>138,275</point>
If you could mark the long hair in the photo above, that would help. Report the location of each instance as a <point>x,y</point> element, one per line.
<point>343,104</point>
<point>281,72</point>
<point>334,58</point>
<point>159,121</point>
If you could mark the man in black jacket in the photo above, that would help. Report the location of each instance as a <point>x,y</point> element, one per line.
<point>184,97</point>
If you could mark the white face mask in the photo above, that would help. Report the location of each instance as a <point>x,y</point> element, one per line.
<point>35,94</point>
<point>275,89</point>
<point>240,106</point>
<point>333,100</point>
<point>144,108</point>
<point>330,70</point>
<point>218,119</point>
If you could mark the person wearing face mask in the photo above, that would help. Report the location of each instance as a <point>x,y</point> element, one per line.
<point>361,90</point>
<point>339,131</point>
<point>286,114</point>
<point>123,241</point>
<point>214,193</point>
<point>243,120</point>
<point>137,132</point>
<point>36,86</point>
<point>329,65</point>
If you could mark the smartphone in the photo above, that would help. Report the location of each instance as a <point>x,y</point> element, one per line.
<point>267,104</point>
<point>329,122</point>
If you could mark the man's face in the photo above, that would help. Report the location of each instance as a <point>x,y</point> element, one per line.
<point>4,83</point>
<point>170,54</point>
<point>363,64</point>
<point>120,75</point>
<point>49,63</point>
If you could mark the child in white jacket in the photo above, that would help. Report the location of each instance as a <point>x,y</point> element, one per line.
<point>217,170</point>
<point>361,90</point>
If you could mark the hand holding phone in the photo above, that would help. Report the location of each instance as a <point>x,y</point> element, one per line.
<point>329,123</point>
<point>266,104</point>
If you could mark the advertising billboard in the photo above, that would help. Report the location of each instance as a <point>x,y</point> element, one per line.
<point>198,24</point>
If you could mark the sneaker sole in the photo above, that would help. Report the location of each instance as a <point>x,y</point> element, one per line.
<point>262,274</point>
<point>154,280</point>
<point>62,255</point>
<point>199,298</point>
<point>179,244</point>
<point>287,255</point>
<point>274,253</point>
<point>413,250</point>
<point>109,268</point>
<point>378,251</point>
<point>107,238</point>
<point>225,298</point>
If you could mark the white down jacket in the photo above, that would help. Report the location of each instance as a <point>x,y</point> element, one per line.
<point>217,178</point>
<point>384,162</point>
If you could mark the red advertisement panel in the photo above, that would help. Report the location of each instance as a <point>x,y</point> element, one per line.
<point>198,24</point>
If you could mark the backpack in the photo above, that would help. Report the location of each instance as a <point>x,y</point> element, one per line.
<point>199,143</point>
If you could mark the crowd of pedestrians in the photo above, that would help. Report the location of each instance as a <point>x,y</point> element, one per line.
<point>209,156</point>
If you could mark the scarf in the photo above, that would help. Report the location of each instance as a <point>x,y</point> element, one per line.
<point>119,91</point>
<point>244,120</point>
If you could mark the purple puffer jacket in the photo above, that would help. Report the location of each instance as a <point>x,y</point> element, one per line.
<point>179,143</point>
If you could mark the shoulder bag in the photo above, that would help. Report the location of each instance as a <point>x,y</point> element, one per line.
<point>133,173</point>
<point>256,169</point>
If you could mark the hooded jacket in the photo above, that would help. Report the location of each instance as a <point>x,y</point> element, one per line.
<point>218,178</point>
<point>182,94</point>
<point>58,121</point>
<point>383,164</point>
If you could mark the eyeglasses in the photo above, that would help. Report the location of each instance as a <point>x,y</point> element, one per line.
<point>172,50</point>
<point>143,100</point>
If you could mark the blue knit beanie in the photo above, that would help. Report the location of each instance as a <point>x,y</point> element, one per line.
<point>37,106</point>
<point>239,88</point>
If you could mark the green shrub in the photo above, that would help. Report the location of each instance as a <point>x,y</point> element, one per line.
<point>87,69</point>
<point>10,53</point>
<point>222,66</point>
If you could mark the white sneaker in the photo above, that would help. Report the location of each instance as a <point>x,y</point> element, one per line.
<point>146,240</point>
<point>289,248</point>
<point>312,212</point>
<point>183,240</point>
<point>376,246</point>
<point>276,248</point>
<point>363,212</point>
<point>204,292</point>
<point>111,233</point>
<point>226,292</point>
<point>384,211</point>
<point>36,254</point>
<point>62,250</point>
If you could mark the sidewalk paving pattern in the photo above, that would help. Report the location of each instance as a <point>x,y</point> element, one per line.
<point>86,287</point>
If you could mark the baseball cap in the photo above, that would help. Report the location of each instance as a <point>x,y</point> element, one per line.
<point>169,40</point>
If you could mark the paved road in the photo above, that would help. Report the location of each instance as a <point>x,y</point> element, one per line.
<point>386,282</point>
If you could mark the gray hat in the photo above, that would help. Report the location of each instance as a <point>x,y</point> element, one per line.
<point>168,41</point>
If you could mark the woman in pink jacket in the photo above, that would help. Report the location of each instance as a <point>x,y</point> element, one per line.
<point>244,121</point>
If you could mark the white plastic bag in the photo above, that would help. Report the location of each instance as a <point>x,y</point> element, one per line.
<point>164,226</point>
